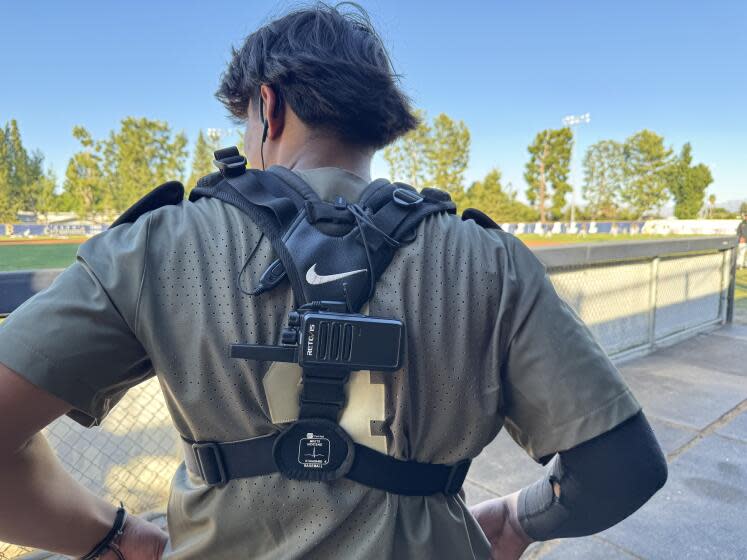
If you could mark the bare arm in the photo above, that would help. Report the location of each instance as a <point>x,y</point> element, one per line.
<point>42,505</point>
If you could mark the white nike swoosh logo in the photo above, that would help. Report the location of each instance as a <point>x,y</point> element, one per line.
<point>315,279</point>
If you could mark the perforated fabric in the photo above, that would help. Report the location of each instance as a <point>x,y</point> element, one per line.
<point>488,342</point>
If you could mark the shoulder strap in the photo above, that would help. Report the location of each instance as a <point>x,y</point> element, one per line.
<point>260,195</point>
<point>398,209</point>
<point>372,196</point>
<point>386,215</point>
<point>167,194</point>
<point>480,218</point>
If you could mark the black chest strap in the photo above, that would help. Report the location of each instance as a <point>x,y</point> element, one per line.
<point>218,463</point>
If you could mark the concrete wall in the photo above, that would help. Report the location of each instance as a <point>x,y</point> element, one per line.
<point>635,296</point>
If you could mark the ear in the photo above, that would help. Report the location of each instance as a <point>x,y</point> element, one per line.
<point>273,111</point>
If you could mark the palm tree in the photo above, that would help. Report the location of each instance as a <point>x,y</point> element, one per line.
<point>712,203</point>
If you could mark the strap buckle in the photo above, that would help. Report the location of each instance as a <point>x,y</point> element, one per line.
<point>230,162</point>
<point>456,477</point>
<point>406,197</point>
<point>232,166</point>
<point>210,463</point>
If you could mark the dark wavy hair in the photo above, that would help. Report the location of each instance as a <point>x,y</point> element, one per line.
<point>330,66</point>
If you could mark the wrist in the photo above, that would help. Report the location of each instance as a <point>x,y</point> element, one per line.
<point>98,518</point>
<point>110,538</point>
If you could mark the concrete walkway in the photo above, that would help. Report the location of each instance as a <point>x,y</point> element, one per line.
<point>695,395</point>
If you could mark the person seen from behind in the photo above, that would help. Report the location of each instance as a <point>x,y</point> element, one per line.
<point>489,345</point>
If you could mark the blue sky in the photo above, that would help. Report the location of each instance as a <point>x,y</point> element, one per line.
<point>508,69</point>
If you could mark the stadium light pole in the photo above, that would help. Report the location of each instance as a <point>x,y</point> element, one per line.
<point>215,134</point>
<point>572,122</point>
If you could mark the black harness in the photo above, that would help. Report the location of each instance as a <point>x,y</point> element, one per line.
<point>332,255</point>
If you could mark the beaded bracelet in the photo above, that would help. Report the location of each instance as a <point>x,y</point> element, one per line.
<point>107,543</point>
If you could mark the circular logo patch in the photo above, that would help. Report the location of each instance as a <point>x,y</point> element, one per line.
<point>314,449</point>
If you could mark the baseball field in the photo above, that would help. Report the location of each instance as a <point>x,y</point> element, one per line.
<point>37,254</point>
<point>41,253</point>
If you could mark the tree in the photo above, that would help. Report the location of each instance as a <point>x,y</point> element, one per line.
<point>604,177</point>
<point>489,196</point>
<point>448,155</point>
<point>20,166</point>
<point>31,182</point>
<point>647,163</point>
<point>21,173</point>
<point>711,203</point>
<point>723,214</point>
<point>743,209</point>
<point>688,184</point>
<point>432,155</point>
<point>85,185</point>
<point>139,156</point>
<point>7,211</point>
<point>407,157</point>
<point>202,159</point>
<point>45,199</point>
<point>549,166</point>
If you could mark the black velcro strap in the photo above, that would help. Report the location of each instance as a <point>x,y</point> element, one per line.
<point>218,463</point>
<point>375,194</point>
<point>402,203</point>
<point>323,390</point>
<point>326,212</point>
<point>436,195</point>
<point>259,193</point>
<point>399,208</point>
<point>322,393</point>
<point>408,478</point>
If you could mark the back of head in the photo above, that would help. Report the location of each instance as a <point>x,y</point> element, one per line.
<point>330,66</point>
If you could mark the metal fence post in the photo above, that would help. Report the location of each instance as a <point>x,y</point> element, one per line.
<point>733,252</point>
<point>652,292</point>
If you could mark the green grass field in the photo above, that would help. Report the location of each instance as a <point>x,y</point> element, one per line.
<point>34,257</point>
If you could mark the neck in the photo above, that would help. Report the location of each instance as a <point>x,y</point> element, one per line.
<point>317,152</point>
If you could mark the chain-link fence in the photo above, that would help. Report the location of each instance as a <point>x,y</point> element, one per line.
<point>632,296</point>
<point>131,457</point>
<point>639,295</point>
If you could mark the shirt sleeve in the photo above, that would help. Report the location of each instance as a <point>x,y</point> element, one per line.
<point>559,387</point>
<point>77,339</point>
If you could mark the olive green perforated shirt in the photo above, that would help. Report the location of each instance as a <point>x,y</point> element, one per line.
<point>489,345</point>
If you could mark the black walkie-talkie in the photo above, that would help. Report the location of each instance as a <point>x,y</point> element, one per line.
<point>348,341</point>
